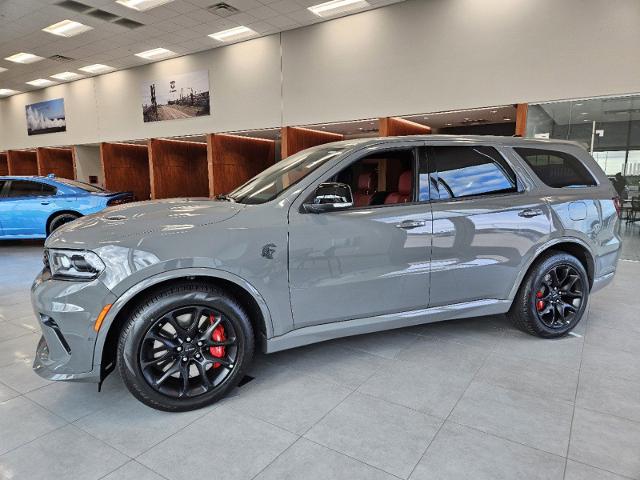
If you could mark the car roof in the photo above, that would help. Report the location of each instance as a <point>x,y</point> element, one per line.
<point>495,140</point>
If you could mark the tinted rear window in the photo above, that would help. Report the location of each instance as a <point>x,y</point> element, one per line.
<point>557,169</point>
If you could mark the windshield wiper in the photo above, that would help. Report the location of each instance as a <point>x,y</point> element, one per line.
<point>224,197</point>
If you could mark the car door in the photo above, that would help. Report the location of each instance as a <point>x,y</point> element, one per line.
<point>487,222</point>
<point>2,185</point>
<point>26,207</point>
<point>364,261</point>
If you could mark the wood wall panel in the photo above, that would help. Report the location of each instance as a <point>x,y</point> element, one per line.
<point>296,139</point>
<point>178,169</point>
<point>234,159</point>
<point>522,110</point>
<point>22,162</point>
<point>126,168</point>
<point>58,161</point>
<point>4,166</point>
<point>397,127</point>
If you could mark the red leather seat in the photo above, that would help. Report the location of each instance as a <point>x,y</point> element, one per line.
<point>405,186</point>
<point>366,189</point>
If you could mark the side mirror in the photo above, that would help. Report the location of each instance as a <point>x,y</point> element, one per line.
<point>329,197</point>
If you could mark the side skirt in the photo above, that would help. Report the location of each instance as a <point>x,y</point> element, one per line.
<point>359,326</point>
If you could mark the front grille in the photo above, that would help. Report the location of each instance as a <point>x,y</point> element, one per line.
<point>45,259</point>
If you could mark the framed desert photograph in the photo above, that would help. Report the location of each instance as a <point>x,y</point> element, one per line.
<point>46,117</point>
<point>184,95</point>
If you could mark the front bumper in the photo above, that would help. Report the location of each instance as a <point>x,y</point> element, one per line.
<point>67,312</point>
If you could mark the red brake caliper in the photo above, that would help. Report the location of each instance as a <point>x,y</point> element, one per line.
<point>218,335</point>
<point>539,303</point>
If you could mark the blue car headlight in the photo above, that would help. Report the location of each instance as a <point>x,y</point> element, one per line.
<point>74,264</point>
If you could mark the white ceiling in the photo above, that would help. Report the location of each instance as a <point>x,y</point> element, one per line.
<point>181,26</point>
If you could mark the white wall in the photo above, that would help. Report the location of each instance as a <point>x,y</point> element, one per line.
<point>412,57</point>
<point>88,163</point>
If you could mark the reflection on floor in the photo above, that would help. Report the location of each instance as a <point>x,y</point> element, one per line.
<point>463,399</point>
<point>630,234</point>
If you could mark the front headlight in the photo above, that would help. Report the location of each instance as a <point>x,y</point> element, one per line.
<point>74,264</point>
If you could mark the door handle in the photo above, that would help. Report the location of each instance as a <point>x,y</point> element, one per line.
<point>45,203</point>
<point>530,212</point>
<point>409,224</point>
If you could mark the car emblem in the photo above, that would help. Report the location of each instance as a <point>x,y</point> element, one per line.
<point>268,250</point>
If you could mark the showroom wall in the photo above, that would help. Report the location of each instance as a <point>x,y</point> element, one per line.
<point>412,57</point>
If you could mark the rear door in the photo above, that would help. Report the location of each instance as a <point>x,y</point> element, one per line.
<point>26,206</point>
<point>486,223</point>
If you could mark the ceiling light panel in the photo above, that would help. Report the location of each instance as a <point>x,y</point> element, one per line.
<point>142,5</point>
<point>67,28</point>
<point>23,57</point>
<point>337,7</point>
<point>40,82</point>
<point>232,34</point>
<point>67,76</point>
<point>97,68</point>
<point>155,54</point>
<point>5,92</point>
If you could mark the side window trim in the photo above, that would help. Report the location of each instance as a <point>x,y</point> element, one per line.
<point>432,172</point>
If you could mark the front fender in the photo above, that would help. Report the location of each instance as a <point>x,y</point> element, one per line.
<point>124,298</point>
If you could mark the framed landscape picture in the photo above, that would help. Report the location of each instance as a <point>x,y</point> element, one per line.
<point>184,95</point>
<point>46,117</point>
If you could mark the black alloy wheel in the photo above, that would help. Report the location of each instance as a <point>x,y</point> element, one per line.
<point>60,220</point>
<point>553,296</point>
<point>185,346</point>
<point>188,351</point>
<point>559,296</point>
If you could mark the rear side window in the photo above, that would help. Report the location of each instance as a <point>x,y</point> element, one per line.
<point>557,169</point>
<point>458,172</point>
<point>25,188</point>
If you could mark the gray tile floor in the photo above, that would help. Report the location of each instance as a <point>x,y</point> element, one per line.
<point>465,399</point>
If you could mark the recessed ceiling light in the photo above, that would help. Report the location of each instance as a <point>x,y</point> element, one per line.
<point>336,7</point>
<point>584,113</point>
<point>449,124</point>
<point>425,118</point>
<point>232,34</point>
<point>24,58</point>
<point>66,76</point>
<point>586,120</point>
<point>155,54</point>
<point>5,92</point>
<point>506,119</point>
<point>578,104</point>
<point>2,69</point>
<point>67,28</point>
<point>40,82</point>
<point>142,5</point>
<point>97,68</point>
<point>494,111</point>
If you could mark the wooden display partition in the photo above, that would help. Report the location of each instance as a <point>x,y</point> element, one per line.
<point>296,139</point>
<point>22,162</point>
<point>234,159</point>
<point>178,168</point>
<point>522,110</point>
<point>125,167</point>
<point>398,127</point>
<point>56,161</point>
<point>4,165</point>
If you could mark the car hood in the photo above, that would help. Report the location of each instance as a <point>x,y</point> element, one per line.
<point>135,221</point>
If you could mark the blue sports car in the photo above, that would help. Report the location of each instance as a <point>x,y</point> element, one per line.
<point>33,207</point>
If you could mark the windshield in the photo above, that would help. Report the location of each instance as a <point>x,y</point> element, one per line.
<point>84,186</point>
<point>276,179</point>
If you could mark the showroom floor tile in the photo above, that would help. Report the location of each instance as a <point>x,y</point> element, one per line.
<point>463,399</point>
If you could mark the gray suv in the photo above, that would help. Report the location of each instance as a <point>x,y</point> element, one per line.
<point>340,239</point>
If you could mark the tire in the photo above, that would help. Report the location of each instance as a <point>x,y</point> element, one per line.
<point>59,220</point>
<point>549,308</point>
<point>154,362</point>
